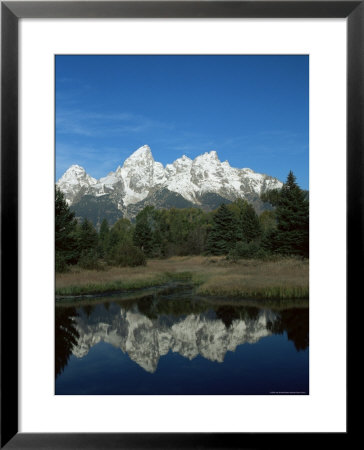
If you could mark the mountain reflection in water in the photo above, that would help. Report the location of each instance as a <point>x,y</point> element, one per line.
<point>150,328</point>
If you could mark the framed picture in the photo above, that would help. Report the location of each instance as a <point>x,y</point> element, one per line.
<point>204,44</point>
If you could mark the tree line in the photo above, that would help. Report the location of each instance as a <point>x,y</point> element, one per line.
<point>234,230</point>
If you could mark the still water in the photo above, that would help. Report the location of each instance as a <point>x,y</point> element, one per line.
<point>176,343</point>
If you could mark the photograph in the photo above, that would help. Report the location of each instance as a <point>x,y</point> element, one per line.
<point>181,224</point>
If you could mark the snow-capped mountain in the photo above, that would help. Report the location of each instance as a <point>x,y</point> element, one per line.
<point>146,340</point>
<point>141,177</point>
<point>75,182</point>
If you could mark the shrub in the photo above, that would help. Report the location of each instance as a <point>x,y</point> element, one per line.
<point>89,260</point>
<point>126,254</point>
<point>251,250</point>
<point>61,264</point>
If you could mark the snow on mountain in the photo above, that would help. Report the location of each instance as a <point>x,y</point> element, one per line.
<point>140,175</point>
<point>146,340</point>
<point>74,181</point>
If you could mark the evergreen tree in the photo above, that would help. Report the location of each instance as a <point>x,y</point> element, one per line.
<point>250,225</point>
<point>104,238</point>
<point>104,230</point>
<point>65,237</point>
<point>87,246</point>
<point>143,237</point>
<point>87,236</point>
<point>222,235</point>
<point>247,226</point>
<point>148,231</point>
<point>292,233</point>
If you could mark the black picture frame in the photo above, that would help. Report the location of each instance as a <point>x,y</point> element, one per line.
<point>11,12</point>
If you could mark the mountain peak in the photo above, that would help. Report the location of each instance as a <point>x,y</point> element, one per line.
<point>141,154</point>
<point>75,168</point>
<point>141,151</point>
<point>209,155</point>
<point>74,173</point>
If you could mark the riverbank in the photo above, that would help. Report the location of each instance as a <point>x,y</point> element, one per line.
<point>213,276</point>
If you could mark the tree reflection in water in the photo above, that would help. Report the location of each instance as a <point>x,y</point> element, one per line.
<point>66,337</point>
<point>228,313</point>
<point>295,323</point>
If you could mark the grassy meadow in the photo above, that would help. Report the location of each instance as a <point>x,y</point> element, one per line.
<point>284,278</point>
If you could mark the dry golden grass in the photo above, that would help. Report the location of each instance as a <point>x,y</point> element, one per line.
<point>250,278</point>
<point>216,276</point>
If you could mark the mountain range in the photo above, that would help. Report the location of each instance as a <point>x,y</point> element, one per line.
<point>146,340</point>
<point>204,182</point>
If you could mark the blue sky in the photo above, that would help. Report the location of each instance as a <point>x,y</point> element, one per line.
<point>253,110</point>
